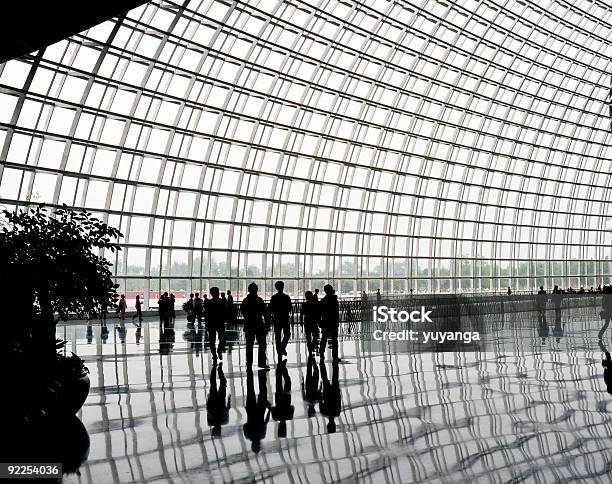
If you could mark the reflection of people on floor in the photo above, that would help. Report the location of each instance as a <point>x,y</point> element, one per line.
<point>283,410</point>
<point>607,362</point>
<point>103,332</point>
<point>607,375</point>
<point>166,340</point>
<point>311,393</point>
<point>257,410</point>
<point>280,308</point>
<point>138,334</point>
<point>216,311</point>
<point>557,300</point>
<point>121,331</point>
<point>558,331</point>
<point>217,404</point>
<point>256,321</point>
<point>331,398</point>
<point>89,332</point>
<point>543,330</point>
<point>330,320</point>
<point>194,335</point>
<point>311,318</point>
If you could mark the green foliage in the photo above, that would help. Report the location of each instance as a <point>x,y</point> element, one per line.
<point>57,253</point>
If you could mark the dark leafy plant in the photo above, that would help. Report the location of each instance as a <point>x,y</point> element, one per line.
<point>58,260</point>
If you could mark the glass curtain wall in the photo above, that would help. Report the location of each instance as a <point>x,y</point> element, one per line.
<point>458,146</point>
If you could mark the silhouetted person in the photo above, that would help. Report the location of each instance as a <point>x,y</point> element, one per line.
<point>607,375</point>
<point>283,410</point>
<point>256,322</point>
<point>378,297</point>
<point>311,392</point>
<point>607,362</point>
<point>330,320</point>
<point>257,410</point>
<point>280,307</point>
<point>331,397</point>
<point>215,322</point>
<point>122,307</point>
<point>606,303</point>
<point>541,301</point>
<point>163,305</point>
<point>364,305</point>
<point>171,308</point>
<point>189,308</point>
<point>311,318</point>
<point>316,294</point>
<point>509,291</point>
<point>138,306</point>
<point>231,313</point>
<point>198,308</point>
<point>217,404</point>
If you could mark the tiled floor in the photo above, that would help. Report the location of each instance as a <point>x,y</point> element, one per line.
<point>528,403</point>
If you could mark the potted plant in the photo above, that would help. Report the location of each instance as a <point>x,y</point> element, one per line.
<point>52,266</point>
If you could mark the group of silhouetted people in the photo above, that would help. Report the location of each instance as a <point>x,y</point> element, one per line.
<point>215,312</point>
<point>323,314</point>
<point>317,388</point>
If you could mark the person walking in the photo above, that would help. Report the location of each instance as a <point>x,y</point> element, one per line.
<point>122,307</point>
<point>541,302</point>
<point>138,306</point>
<point>280,307</point>
<point>198,308</point>
<point>224,299</point>
<point>256,322</point>
<point>230,306</point>
<point>171,308</point>
<point>163,306</point>
<point>330,321</point>
<point>188,307</point>
<point>310,316</point>
<point>215,323</point>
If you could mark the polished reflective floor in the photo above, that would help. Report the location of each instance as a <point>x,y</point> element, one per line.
<point>528,403</point>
